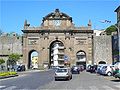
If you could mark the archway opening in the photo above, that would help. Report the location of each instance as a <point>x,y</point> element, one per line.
<point>56,54</point>
<point>102,62</point>
<point>33,60</point>
<point>81,58</point>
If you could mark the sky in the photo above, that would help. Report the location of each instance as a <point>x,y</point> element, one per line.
<point>13,13</point>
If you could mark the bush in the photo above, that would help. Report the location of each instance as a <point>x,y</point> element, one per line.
<point>7,73</point>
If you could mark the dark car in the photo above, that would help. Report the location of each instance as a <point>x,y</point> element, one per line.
<point>75,70</point>
<point>117,75</point>
<point>91,68</point>
<point>21,68</point>
<point>82,68</point>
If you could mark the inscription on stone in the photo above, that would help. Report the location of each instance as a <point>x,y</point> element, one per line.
<point>33,41</point>
<point>81,41</point>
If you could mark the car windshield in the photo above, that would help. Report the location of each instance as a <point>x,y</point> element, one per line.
<point>61,70</point>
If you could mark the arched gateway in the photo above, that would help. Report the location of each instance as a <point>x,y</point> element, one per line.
<point>56,38</point>
<point>81,58</point>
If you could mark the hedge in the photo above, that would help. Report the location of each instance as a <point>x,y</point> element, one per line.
<point>7,73</point>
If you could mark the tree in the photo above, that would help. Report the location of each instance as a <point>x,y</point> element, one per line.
<point>110,29</point>
<point>13,58</point>
<point>1,32</point>
<point>2,61</point>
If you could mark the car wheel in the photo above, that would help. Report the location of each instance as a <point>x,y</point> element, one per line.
<point>55,79</point>
<point>69,78</point>
<point>109,74</point>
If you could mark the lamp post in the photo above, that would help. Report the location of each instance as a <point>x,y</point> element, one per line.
<point>118,41</point>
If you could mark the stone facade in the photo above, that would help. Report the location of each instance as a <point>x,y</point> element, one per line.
<point>102,49</point>
<point>57,27</point>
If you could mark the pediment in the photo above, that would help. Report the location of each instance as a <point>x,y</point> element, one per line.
<point>57,15</point>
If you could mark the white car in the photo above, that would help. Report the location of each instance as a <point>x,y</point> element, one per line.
<point>63,73</point>
<point>107,70</point>
<point>117,65</point>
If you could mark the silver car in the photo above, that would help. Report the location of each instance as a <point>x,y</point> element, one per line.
<point>63,73</point>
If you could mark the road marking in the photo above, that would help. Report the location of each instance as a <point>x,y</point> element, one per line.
<point>107,88</point>
<point>10,88</point>
<point>93,88</point>
<point>2,87</point>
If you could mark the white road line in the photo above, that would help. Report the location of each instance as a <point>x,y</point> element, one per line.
<point>2,87</point>
<point>108,88</point>
<point>10,88</point>
<point>93,88</point>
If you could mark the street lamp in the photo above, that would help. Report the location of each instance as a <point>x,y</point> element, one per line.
<point>118,30</point>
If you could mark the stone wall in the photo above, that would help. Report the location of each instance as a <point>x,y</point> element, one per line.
<point>102,49</point>
<point>10,44</point>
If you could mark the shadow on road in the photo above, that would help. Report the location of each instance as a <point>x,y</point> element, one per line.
<point>62,80</point>
<point>116,80</point>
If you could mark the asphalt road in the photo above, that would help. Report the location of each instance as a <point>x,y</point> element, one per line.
<point>27,81</point>
<point>85,81</point>
<point>45,81</point>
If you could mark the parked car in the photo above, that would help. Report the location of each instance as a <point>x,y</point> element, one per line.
<point>116,73</point>
<point>99,68</point>
<point>91,68</point>
<point>116,70</point>
<point>107,70</point>
<point>82,68</point>
<point>63,73</point>
<point>21,68</point>
<point>88,68</point>
<point>117,65</point>
<point>75,70</point>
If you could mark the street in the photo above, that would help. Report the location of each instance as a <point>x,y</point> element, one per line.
<point>44,80</point>
<point>27,81</point>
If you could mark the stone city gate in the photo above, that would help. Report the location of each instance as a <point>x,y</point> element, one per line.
<point>56,37</point>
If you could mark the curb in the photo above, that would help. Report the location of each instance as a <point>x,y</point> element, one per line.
<point>3,77</point>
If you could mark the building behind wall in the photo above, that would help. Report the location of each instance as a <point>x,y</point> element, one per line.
<point>118,34</point>
<point>115,48</point>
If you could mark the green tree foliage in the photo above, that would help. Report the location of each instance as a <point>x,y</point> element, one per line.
<point>1,32</point>
<point>110,29</point>
<point>13,58</point>
<point>2,61</point>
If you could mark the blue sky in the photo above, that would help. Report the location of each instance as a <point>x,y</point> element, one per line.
<point>14,12</point>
